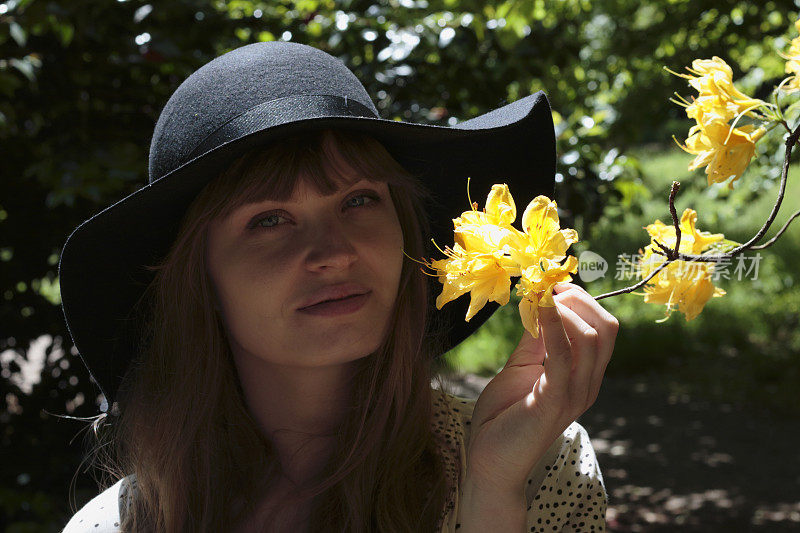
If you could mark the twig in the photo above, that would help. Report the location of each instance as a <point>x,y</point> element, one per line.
<point>669,252</point>
<point>634,287</point>
<point>674,254</point>
<point>667,249</point>
<point>775,238</point>
<point>790,142</point>
<point>672,192</point>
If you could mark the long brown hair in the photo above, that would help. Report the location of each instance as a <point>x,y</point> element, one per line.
<point>184,430</point>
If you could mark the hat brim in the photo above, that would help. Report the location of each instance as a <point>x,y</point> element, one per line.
<point>514,144</point>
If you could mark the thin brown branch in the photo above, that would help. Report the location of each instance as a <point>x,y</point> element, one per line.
<point>775,238</point>
<point>790,142</point>
<point>672,192</point>
<point>674,254</point>
<point>667,249</point>
<point>634,287</point>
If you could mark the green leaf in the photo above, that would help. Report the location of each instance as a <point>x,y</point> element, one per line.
<point>49,289</point>
<point>67,32</point>
<point>265,36</point>
<point>632,192</point>
<point>721,247</point>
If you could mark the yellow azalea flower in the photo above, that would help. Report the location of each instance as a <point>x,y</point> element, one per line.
<point>792,65</point>
<point>486,231</point>
<point>541,235</point>
<point>792,84</point>
<point>683,285</point>
<point>539,249</point>
<point>479,274</point>
<point>708,108</point>
<point>723,150</point>
<point>693,241</point>
<point>793,57</point>
<point>714,77</point>
<point>718,98</point>
<point>536,288</point>
<point>488,251</point>
<point>478,262</point>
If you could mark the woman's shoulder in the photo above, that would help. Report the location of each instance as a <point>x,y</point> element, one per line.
<point>101,514</point>
<point>452,402</point>
<point>452,415</point>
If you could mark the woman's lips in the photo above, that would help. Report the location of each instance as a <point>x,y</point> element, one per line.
<point>345,306</point>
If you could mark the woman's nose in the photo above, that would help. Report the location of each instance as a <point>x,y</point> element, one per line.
<point>330,248</point>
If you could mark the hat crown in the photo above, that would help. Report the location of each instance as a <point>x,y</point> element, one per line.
<point>237,81</point>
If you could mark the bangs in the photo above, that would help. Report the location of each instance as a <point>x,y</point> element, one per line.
<point>327,160</point>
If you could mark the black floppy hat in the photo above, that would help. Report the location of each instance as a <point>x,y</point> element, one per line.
<point>247,98</point>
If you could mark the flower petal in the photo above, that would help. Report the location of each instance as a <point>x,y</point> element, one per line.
<point>500,206</point>
<point>540,219</point>
<point>529,314</point>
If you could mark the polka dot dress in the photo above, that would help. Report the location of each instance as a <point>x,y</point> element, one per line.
<point>565,490</point>
<point>99,515</point>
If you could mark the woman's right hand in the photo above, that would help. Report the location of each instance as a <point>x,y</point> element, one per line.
<point>546,384</point>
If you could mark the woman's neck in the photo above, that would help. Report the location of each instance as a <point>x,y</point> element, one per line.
<point>298,409</point>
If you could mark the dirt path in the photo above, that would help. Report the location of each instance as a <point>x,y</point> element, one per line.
<point>675,463</point>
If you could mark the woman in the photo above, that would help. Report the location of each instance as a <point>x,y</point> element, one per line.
<point>272,366</point>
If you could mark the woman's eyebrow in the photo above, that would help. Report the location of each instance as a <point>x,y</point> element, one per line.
<point>350,184</point>
<point>341,187</point>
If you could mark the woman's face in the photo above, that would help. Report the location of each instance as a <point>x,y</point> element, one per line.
<point>267,260</point>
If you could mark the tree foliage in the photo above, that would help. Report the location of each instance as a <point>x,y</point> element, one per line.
<point>82,83</point>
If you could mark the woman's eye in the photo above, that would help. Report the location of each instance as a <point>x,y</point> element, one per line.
<point>362,197</point>
<point>271,221</point>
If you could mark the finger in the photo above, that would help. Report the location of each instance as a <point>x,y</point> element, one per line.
<point>598,310</point>
<point>584,340</point>
<point>593,314</point>
<point>601,320</point>
<point>558,355</point>
<point>602,362</point>
<point>597,379</point>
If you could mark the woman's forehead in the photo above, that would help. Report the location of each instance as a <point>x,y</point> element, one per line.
<point>303,188</point>
<point>282,176</point>
<point>328,185</point>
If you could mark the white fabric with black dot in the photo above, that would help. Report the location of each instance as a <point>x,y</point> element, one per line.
<point>565,489</point>
<point>99,515</point>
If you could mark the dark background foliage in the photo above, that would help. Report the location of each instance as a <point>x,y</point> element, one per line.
<point>82,83</point>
